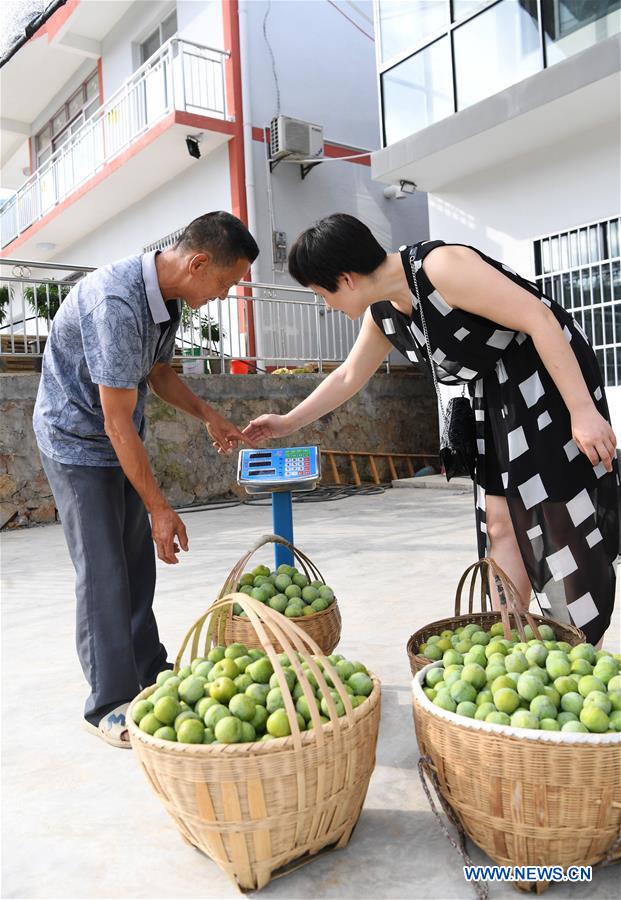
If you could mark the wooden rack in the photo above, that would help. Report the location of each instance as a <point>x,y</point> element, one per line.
<point>372,458</point>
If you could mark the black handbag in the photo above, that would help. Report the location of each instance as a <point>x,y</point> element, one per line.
<point>458,438</point>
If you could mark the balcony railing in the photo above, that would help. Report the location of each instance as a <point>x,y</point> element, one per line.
<point>180,76</point>
<point>293,326</point>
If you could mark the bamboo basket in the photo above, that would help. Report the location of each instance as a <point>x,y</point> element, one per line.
<point>260,809</point>
<point>487,568</point>
<point>323,627</point>
<point>524,797</point>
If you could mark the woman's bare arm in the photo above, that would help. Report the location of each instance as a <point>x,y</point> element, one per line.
<point>467,282</point>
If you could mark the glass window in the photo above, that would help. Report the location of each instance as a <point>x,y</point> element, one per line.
<point>44,137</point>
<point>150,46</point>
<point>162,33</point>
<point>613,231</point>
<point>616,282</point>
<point>92,106</point>
<point>92,86</point>
<point>570,26</point>
<point>496,49</point>
<point>45,154</point>
<point>69,112</point>
<point>609,336</point>
<point>463,8</point>
<point>169,27</point>
<point>404,23</point>
<point>76,103</point>
<point>418,92</point>
<point>59,120</point>
<point>594,286</point>
<point>62,139</point>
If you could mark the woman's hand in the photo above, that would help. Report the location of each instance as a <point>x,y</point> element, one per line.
<point>594,436</point>
<point>265,427</point>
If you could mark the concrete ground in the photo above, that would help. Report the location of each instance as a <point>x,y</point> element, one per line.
<point>79,819</point>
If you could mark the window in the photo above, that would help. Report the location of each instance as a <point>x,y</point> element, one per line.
<point>581,270</point>
<point>66,121</point>
<point>158,36</point>
<point>570,26</point>
<point>165,243</point>
<point>495,49</point>
<point>491,44</point>
<point>404,23</point>
<point>418,92</point>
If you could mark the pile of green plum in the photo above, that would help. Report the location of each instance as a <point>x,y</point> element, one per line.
<point>233,696</point>
<point>546,685</point>
<point>286,590</point>
<point>462,639</point>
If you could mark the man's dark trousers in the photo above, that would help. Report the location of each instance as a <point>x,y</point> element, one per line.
<point>108,534</point>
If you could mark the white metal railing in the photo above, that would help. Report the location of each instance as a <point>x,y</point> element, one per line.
<point>181,75</point>
<point>291,326</point>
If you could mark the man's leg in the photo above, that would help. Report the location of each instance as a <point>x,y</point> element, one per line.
<point>91,503</point>
<point>149,653</point>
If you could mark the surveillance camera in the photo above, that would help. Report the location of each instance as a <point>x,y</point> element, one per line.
<point>394,192</point>
<point>192,145</point>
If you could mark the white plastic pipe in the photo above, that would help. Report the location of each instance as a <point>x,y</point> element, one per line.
<point>247,127</point>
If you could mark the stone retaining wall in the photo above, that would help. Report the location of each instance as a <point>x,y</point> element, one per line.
<point>394,413</point>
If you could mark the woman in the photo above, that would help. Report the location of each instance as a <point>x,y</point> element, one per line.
<point>547,475</point>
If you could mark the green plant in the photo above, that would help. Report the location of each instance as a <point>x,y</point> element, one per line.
<point>45,299</point>
<point>4,301</point>
<point>209,330</point>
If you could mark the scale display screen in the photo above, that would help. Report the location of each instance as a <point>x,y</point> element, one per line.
<point>281,469</point>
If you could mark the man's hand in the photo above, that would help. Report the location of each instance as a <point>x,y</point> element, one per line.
<point>165,527</point>
<point>267,426</point>
<point>225,436</point>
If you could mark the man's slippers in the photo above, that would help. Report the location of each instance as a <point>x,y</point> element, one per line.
<point>112,727</point>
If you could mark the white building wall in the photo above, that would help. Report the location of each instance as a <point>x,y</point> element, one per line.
<point>202,188</point>
<point>120,47</point>
<point>503,210</point>
<point>325,74</point>
<point>325,68</point>
<point>201,22</point>
<point>197,21</point>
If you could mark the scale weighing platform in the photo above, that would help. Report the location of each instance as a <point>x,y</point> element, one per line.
<point>280,472</point>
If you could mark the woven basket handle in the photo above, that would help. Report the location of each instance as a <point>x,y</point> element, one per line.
<point>487,568</point>
<point>269,624</point>
<point>310,569</point>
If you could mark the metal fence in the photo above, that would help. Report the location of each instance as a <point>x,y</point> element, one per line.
<point>287,326</point>
<point>181,75</point>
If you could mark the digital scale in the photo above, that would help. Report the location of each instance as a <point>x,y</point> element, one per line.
<point>280,472</point>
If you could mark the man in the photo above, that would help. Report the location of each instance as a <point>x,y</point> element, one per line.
<point>113,335</point>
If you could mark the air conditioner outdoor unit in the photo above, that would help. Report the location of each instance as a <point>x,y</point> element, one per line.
<point>295,139</point>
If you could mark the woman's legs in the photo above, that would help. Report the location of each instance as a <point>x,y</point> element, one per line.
<point>503,547</point>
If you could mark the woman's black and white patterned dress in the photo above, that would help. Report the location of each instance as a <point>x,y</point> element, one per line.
<point>565,511</point>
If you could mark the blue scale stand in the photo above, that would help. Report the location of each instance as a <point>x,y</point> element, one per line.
<point>280,472</point>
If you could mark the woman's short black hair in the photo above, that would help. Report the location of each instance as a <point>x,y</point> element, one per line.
<point>222,235</point>
<point>337,244</point>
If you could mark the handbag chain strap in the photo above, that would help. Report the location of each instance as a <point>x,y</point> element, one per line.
<point>427,342</point>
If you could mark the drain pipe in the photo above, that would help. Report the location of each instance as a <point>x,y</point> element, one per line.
<point>247,126</point>
<point>251,208</point>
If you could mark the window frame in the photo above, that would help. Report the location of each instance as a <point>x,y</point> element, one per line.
<point>42,153</point>
<point>578,284</point>
<point>382,66</point>
<point>156,29</point>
